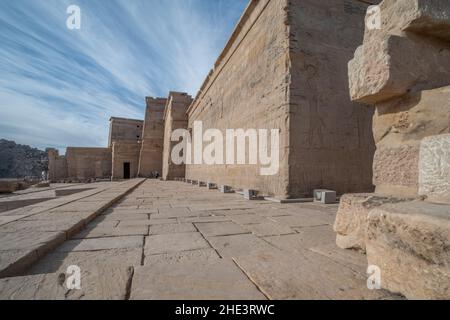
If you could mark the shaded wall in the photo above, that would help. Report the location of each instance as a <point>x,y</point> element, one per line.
<point>331,142</point>
<point>153,138</point>
<point>175,117</point>
<point>87,163</point>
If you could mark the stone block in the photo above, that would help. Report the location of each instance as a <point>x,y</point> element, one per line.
<point>252,195</point>
<point>8,186</point>
<point>194,280</point>
<point>194,182</point>
<point>226,189</point>
<point>211,185</point>
<point>396,170</point>
<point>178,242</point>
<point>409,243</point>
<point>102,244</point>
<point>213,229</point>
<point>202,184</point>
<point>325,196</point>
<point>434,168</point>
<point>352,215</point>
<point>381,70</point>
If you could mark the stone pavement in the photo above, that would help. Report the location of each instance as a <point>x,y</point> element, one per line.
<point>171,240</point>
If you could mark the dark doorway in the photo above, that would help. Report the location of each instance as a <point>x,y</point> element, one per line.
<point>126,170</point>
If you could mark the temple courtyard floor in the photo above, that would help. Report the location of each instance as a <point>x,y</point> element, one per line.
<point>149,239</point>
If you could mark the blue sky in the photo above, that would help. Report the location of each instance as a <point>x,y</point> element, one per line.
<point>59,87</point>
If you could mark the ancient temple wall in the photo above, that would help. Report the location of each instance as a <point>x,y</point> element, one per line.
<point>125,153</point>
<point>150,159</point>
<point>330,136</point>
<point>57,166</point>
<point>88,163</point>
<point>125,130</point>
<point>248,89</point>
<point>175,117</point>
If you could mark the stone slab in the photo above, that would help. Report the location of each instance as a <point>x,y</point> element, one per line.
<point>201,255</point>
<point>306,276</point>
<point>213,229</point>
<point>305,238</point>
<point>269,228</point>
<point>98,283</point>
<point>168,243</point>
<point>409,243</point>
<point>434,168</point>
<point>102,244</point>
<point>240,245</point>
<point>217,280</point>
<point>172,228</point>
<point>104,232</point>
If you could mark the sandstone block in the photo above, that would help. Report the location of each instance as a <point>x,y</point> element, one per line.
<point>8,186</point>
<point>434,168</point>
<point>381,69</point>
<point>396,170</point>
<point>409,242</point>
<point>351,219</point>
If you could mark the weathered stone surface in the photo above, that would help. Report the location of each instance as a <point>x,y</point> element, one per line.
<point>8,186</point>
<point>268,229</point>
<point>58,262</point>
<point>273,272</point>
<point>409,242</point>
<point>305,218</point>
<point>434,168</point>
<point>351,219</point>
<point>97,283</point>
<point>201,255</point>
<point>103,232</point>
<point>172,228</point>
<point>212,229</point>
<point>102,244</point>
<point>238,245</point>
<point>167,243</point>
<point>269,77</point>
<point>424,17</point>
<point>216,280</point>
<point>379,70</point>
<point>305,238</point>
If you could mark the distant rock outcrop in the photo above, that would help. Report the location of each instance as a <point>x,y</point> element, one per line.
<point>20,161</point>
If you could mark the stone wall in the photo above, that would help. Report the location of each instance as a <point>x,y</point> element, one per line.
<point>125,130</point>
<point>88,163</point>
<point>153,138</point>
<point>331,143</point>
<point>285,67</point>
<point>403,68</point>
<point>122,153</point>
<point>57,165</point>
<point>175,117</point>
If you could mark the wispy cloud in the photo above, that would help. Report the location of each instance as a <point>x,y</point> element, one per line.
<point>58,87</point>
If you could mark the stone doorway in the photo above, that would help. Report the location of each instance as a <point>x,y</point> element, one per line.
<point>126,170</point>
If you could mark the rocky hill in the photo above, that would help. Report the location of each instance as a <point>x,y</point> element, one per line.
<point>20,161</point>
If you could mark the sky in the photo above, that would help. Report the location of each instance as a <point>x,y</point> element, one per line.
<point>59,87</point>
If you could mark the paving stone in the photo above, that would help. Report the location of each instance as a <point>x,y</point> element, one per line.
<point>269,228</point>
<point>125,216</point>
<point>212,229</point>
<point>57,262</point>
<point>131,223</point>
<point>306,238</point>
<point>302,219</point>
<point>237,245</point>
<point>350,258</point>
<point>13,262</point>
<point>24,239</point>
<point>167,243</point>
<point>283,276</point>
<point>102,232</point>
<point>248,218</point>
<point>172,228</point>
<point>102,244</point>
<point>97,283</point>
<point>204,255</point>
<point>217,280</point>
